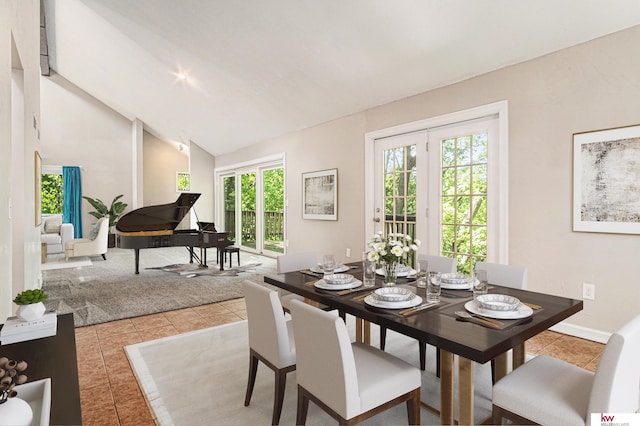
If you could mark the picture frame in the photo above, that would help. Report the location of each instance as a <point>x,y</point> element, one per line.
<point>606,172</point>
<point>320,195</point>
<point>37,167</point>
<point>183,182</point>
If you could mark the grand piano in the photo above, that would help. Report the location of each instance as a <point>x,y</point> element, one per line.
<point>155,227</point>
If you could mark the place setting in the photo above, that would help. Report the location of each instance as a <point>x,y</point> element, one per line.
<point>335,282</point>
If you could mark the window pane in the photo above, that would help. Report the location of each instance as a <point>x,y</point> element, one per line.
<point>449,181</point>
<point>463,183</point>
<point>448,152</point>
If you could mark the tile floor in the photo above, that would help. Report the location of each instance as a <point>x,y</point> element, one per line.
<point>110,394</point>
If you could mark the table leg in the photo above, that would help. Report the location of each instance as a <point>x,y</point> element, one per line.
<point>518,355</point>
<point>359,332</point>
<point>500,366</point>
<point>367,332</point>
<point>465,391</point>
<point>446,388</point>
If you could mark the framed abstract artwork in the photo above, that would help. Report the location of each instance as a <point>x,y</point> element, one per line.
<point>183,182</point>
<point>320,195</point>
<point>606,181</point>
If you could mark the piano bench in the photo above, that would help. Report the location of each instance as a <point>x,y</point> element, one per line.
<point>231,250</point>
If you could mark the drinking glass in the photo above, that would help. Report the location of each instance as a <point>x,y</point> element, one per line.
<point>368,273</point>
<point>433,287</point>
<point>328,264</point>
<point>480,284</point>
<point>422,274</point>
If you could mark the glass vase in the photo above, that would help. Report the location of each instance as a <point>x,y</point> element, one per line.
<point>390,274</point>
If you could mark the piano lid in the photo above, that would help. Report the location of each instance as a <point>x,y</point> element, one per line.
<point>157,218</point>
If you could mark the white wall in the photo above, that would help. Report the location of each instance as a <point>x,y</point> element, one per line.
<point>587,87</point>
<point>201,166</point>
<point>77,130</point>
<point>19,237</point>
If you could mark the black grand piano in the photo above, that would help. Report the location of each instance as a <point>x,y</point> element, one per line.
<point>155,227</point>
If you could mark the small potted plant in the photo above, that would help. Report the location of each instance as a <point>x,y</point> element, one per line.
<point>114,211</point>
<point>30,304</point>
<point>13,411</point>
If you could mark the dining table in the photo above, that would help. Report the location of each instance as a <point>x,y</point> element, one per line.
<point>471,340</point>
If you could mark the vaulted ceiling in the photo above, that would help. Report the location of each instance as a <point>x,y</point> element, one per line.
<point>258,69</point>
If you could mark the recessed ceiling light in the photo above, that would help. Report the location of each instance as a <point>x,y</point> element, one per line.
<point>182,76</point>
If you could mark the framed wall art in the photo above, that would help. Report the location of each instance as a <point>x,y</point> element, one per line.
<point>606,181</point>
<point>320,195</point>
<point>183,182</point>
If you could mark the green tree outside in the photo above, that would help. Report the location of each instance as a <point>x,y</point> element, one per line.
<point>52,195</point>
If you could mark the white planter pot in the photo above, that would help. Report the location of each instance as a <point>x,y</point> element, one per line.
<point>15,411</point>
<point>31,312</point>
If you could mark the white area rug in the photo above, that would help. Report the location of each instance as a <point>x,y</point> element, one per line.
<point>200,378</point>
<point>56,261</point>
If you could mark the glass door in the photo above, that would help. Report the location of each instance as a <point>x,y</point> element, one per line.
<point>273,210</point>
<point>248,202</point>
<point>229,202</point>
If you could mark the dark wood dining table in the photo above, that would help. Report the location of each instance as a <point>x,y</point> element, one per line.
<point>439,326</point>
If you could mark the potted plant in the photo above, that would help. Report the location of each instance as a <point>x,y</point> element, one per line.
<point>30,304</point>
<point>114,211</point>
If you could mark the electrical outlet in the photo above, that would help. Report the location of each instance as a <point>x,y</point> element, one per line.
<point>348,252</point>
<point>588,291</point>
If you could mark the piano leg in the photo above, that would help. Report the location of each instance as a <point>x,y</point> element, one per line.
<point>137,254</point>
<point>221,258</point>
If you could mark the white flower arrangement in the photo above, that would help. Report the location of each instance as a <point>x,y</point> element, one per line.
<point>391,250</point>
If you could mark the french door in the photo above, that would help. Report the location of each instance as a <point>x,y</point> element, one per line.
<point>253,208</point>
<point>442,185</point>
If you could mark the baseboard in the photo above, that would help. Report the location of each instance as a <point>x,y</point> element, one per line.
<point>581,332</point>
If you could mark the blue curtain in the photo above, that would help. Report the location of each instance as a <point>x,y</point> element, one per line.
<point>72,198</point>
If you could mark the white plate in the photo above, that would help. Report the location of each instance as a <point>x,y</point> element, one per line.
<point>465,286</point>
<point>370,300</point>
<point>323,285</point>
<point>380,271</point>
<point>522,311</point>
<point>338,269</point>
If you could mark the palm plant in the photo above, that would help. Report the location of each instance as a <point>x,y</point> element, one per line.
<point>114,211</point>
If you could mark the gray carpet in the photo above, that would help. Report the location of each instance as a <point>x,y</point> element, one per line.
<point>109,290</point>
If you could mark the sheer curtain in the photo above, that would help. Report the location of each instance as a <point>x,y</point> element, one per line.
<point>72,204</point>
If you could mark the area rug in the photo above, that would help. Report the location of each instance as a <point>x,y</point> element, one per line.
<point>200,378</point>
<point>108,290</point>
<point>58,262</point>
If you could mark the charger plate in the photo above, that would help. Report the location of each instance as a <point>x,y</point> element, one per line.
<point>372,301</point>
<point>325,286</point>
<point>522,311</point>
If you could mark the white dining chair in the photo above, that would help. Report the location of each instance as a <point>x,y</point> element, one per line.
<point>434,263</point>
<point>349,381</point>
<point>549,391</point>
<point>511,276</point>
<point>290,263</point>
<point>271,341</point>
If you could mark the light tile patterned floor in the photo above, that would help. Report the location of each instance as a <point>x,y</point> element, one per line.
<point>110,394</point>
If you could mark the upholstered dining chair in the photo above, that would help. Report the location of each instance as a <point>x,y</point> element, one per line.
<point>96,245</point>
<point>434,263</point>
<point>270,341</point>
<point>511,276</point>
<point>290,263</point>
<point>349,381</point>
<point>548,391</point>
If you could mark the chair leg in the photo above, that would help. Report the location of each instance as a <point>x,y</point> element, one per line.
<point>383,337</point>
<point>413,407</point>
<point>104,256</point>
<point>423,355</point>
<point>253,368</point>
<point>496,415</point>
<point>281,382</point>
<point>238,253</point>
<point>303,407</point>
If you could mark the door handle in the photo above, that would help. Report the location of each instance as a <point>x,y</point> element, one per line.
<point>376,219</point>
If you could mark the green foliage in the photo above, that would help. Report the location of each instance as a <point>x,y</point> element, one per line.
<point>184,182</point>
<point>52,195</point>
<point>114,211</point>
<point>248,191</point>
<point>28,297</point>
<point>273,184</point>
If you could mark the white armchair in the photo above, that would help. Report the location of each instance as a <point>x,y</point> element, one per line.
<point>55,234</point>
<point>90,246</point>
